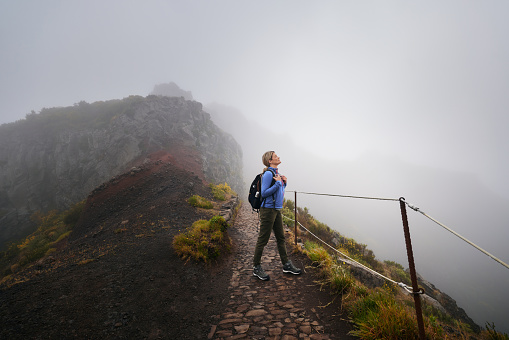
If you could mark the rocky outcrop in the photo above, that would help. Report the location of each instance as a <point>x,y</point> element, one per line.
<point>171,90</point>
<point>229,209</point>
<point>441,300</point>
<point>56,158</point>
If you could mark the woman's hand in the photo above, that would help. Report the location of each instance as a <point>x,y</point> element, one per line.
<point>280,178</point>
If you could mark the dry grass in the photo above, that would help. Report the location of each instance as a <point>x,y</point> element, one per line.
<point>204,240</point>
<point>385,312</point>
<point>221,192</point>
<point>200,202</point>
<point>53,227</point>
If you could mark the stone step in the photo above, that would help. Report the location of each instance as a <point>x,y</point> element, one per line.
<point>263,309</point>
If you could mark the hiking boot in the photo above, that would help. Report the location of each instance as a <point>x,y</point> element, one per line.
<point>260,273</point>
<point>288,267</point>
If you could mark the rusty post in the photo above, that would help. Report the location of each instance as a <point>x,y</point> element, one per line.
<point>413,274</point>
<point>295,217</point>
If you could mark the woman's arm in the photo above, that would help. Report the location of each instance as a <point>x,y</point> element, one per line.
<point>267,189</point>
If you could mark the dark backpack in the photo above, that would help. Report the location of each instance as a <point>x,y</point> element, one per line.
<point>255,191</point>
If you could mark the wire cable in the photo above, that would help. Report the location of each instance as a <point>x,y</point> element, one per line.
<point>458,235</point>
<point>415,209</point>
<point>400,284</point>
<point>348,196</point>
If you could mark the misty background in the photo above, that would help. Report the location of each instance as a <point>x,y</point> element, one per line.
<point>384,99</point>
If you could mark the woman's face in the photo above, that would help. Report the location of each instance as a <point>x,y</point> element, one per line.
<point>275,160</point>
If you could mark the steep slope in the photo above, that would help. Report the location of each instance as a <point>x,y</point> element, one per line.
<point>382,177</point>
<point>117,275</point>
<point>54,159</point>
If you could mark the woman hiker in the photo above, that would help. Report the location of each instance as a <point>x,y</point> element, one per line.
<point>272,191</point>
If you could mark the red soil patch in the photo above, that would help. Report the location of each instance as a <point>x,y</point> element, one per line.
<point>119,277</point>
<point>183,158</point>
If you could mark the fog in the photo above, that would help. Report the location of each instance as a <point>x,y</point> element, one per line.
<point>457,199</point>
<point>385,99</point>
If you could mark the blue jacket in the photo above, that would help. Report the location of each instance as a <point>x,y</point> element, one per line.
<point>277,190</point>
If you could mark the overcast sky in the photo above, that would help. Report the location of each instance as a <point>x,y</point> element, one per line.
<point>426,83</point>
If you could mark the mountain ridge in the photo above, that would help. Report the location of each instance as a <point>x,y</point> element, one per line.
<point>117,275</point>
<point>121,246</point>
<point>185,156</point>
<point>55,158</point>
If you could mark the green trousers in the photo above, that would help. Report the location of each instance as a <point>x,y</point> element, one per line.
<point>270,219</point>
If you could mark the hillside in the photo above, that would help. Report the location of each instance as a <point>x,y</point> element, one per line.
<point>55,158</point>
<point>117,275</point>
<point>457,199</point>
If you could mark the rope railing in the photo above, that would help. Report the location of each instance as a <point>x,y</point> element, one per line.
<point>416,290</point>
<point>348,196</point>
<point>400,284</point>
<point>419,211</point>
<point>458,235</point>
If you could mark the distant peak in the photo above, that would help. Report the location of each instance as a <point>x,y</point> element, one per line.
<point>171,90</point>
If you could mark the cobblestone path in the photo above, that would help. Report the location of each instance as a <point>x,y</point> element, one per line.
<point>257,309</point>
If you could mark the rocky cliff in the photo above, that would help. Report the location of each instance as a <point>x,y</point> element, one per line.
<point>57,157</point>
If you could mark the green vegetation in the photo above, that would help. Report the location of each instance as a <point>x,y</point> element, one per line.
<point>53,227</point>
<point>288,212</point>
<point>204,240</point>
<point>380,313</point>
<point>397,272</point>
<point>492,334</point>
<point>316,227</point>
<point>200,202</point>
<point>221,191</point>
<point>333,274</point>
<point>377,313</point>
<point>50,122</point>
<point>347,246</point>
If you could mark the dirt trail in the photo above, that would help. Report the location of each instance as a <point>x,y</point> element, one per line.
<point>286,307</point>
<point>118,277</point>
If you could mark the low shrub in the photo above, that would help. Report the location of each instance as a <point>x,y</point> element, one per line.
<point>340,279</point>
<point>205,240</point>
<point>397,272</point>
<point>53,227</point>
<point>337,277</point>
<point>200,202</point>
<point>318,254</point>
<point>492,334</point>
<point>288,215</point>
<point>221,191</point>
<point>378,316</point>
<point>380,313</point>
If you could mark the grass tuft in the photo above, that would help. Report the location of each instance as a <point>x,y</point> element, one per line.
<point>379,313</point>
<point>204,240</point>
<point>53,227</point>
<point>221,191</point>
<point>200,202</point>
<point>492,334</point>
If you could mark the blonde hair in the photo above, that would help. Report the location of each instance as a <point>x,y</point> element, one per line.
<point>266,159</point>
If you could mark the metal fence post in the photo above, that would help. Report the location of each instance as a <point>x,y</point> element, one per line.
<point>413,274</point>
<point>295,217</point>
